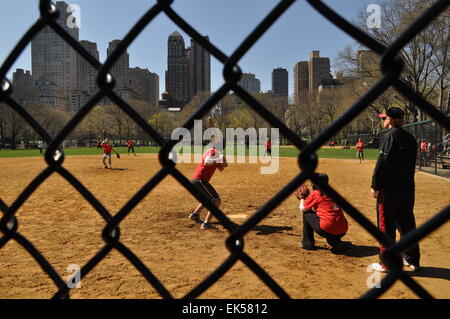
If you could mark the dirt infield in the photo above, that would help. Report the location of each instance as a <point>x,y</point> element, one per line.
<point>67,230</point>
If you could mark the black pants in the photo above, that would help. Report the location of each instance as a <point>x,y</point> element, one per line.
<point>131,149</point>
<point>395,211</point>
<point>311,224</point>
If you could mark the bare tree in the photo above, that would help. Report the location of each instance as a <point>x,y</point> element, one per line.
<point>425,56</point>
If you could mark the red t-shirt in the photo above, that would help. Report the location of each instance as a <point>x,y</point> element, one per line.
<point>204,173</point>
<point>130,143</point>
<point>332,220</point>
<point>106,148</point>
<point>423,147</point>
<point>360,146</point>
<point>268,145</point>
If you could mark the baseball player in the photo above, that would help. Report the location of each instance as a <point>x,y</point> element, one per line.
<point>40,146</point>
<point>360,150</point>
<point>393,185</point>
<point>107,149</point>
<point>211,160</point>
<point>130,145</point>
<point>322,215</point>
<point>268,148</point>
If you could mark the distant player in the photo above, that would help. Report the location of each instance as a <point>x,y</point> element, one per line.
<point>360,150</point>
<point>211,160</point>
<point>268,148</point>
<point>107,149</point>
<point>130,145</point>
<point>40,146</point>
<point>332,144</point>
<point>423,153</point>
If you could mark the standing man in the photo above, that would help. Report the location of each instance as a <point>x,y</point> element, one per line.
<point>107,149</point>
<point>211,160</point>
<point>393,185</point>
<point>130,145</point>
<point>40,146</point>
<point>268,148</point>
<point>360,150</point>
<point>423,153</point>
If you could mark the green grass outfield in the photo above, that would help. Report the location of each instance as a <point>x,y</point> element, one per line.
<point>284,151</point>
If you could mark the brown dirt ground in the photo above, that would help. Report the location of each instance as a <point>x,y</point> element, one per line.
<point>66,229</point>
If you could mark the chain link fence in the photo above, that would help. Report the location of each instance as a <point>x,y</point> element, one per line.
<point>433,156</point>
<point>308,161</point>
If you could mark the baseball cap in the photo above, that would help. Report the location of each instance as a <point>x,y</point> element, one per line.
<point>393,112</point>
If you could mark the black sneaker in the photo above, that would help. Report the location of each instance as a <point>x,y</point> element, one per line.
<point>208,226</point>
<point>195,217</point>
<point>308,247</point>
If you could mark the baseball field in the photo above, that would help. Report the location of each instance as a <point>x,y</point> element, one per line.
<point>67,230</point>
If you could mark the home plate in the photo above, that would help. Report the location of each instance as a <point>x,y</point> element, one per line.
<point>237,216</point>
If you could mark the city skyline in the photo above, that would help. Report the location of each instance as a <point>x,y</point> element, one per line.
<point>149,50</point>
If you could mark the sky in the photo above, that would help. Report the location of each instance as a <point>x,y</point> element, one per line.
<point>227,23</point>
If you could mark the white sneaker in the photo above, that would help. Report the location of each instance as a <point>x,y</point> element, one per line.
<point>379,267</point>
<point>410,266</point>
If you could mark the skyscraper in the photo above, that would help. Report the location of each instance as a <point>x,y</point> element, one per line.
<point>177,74</point>
<point>199,69</point>
<point>308,76</point>
<point>250,83</point>
<point>87,74</point>
<point>52,58</point>
<point>301,82</point>
<point>145,83</point>
<point>280,82</point>
<point>319,69</point>
<point>120,69</point>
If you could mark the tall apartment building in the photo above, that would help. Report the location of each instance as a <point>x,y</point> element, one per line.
<point>319,70</point>
<point>28,90</point>
<point>309,75</point>
<point>280,82</point>
<point>177,74</point>
<point>25,90</point>
<point>120,69</point>
<point>87,77</point>
<point>52,59</point>
<point>301,82</point>
<point>87,74</point>
<point>199,69</point>
<point>144,83</point>
<point>250,83</point>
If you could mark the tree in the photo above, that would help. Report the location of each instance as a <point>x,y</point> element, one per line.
<point>425,56</point>
<point>163,123</point>
<point>11,124</point>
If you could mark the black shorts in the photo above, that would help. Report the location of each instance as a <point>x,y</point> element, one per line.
<point>206,189</point>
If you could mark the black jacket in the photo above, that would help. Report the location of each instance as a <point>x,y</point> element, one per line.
<point>396,162</point>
